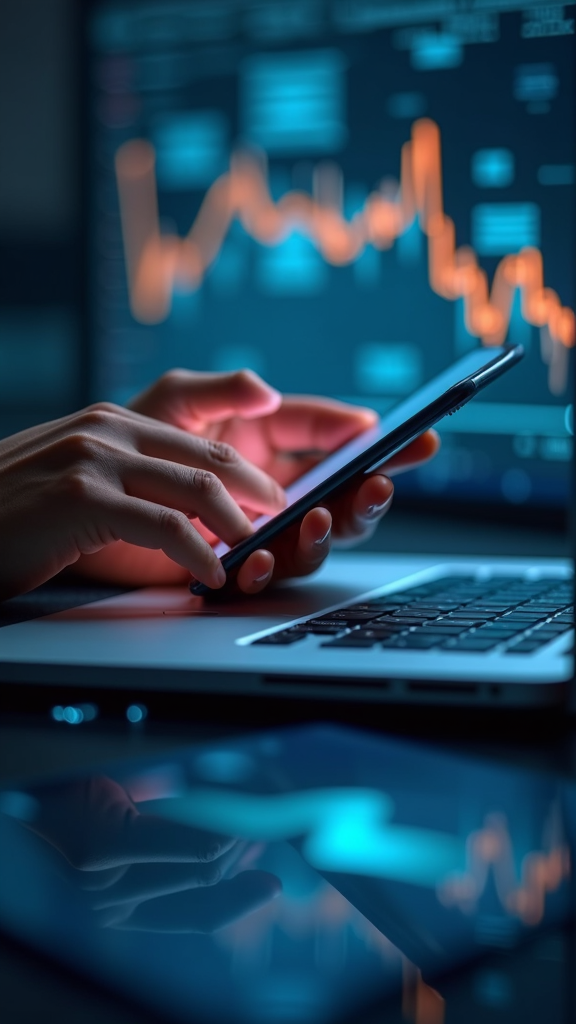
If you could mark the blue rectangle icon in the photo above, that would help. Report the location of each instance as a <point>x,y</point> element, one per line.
<point>295,102</point>
<point>191,148</point>
<point>388,368</point>
<point>501,228</point>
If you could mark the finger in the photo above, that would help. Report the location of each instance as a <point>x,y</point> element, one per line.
<point>358,512</point>
<point>149,881</point>
<point>418,451</point>
<point>150,525</point>
<point>302,550</point>
<point>256,572</point>
<point>146,838</point>
<point>304,424</point>
<point>251,486</point>
<point>195,492</point>
<point>205,910</point>
<point>188,398</point>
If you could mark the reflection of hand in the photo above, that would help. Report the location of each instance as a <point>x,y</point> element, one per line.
<point>283,436</point>
<point>144,872</point>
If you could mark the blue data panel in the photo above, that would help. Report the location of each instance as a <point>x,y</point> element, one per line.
<point>344,196</point>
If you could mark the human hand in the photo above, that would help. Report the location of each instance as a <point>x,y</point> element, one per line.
<point>284,437</point>
<point>108,475</point>
<point>140,871</point>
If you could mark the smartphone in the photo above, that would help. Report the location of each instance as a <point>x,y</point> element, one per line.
<point>442,396</point>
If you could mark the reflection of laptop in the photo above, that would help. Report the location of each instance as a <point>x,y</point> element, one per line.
<point>366,873</point>
<point>190,85</point>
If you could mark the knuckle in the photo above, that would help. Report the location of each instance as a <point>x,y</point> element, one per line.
<point>206,484</point>
<point>77,485</point>
<point>174,522</point>
<point>223,453</point>
<point>171,380</point>
<point>78,447</point>
<point>99,414</point>
<point>245,376</point>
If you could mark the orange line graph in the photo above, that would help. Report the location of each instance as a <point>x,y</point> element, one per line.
<point>489,851</point>
<point>156,262</point>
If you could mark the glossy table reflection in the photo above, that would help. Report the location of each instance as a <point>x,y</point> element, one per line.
<point>366,879</point>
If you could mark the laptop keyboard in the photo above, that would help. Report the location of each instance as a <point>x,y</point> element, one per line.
<point>461,614</point>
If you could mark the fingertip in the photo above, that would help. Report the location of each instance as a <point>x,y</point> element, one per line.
<point>218,576</point>
<point>316,534</point>
<point>256,573</point>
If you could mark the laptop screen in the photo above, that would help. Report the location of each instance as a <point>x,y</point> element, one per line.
<point>345,196</point>
<point>366,875</point>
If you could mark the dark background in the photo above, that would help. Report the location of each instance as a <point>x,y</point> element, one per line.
<point>40,345</point>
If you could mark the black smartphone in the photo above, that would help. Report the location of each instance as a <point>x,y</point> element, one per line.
<point>441,397</point>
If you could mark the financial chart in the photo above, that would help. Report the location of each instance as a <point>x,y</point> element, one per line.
<point>345,197</point>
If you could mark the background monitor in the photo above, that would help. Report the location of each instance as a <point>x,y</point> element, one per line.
<point>344,195</point>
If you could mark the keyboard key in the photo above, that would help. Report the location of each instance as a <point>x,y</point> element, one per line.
<point>279,639</point>
<point>551,629</point>
<point>472,643</point>
<point>339,623</point>
<point>408,620</point>
<point>316,630</point>
<point>351,641</point>
<point>380,630</point>
<point>524,647</point>
<point>416,641</point>
<point>411,642</point>
<point>464,623</point>
<point>498,634</point>
<point>441,627</point>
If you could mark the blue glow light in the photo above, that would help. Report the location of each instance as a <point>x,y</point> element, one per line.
<point>345,829</point>
<point>388,368</point>
<point>292,268</point>
<point>136,713</point>
<point>294,101</point>
<point>434,50</point>
<point>191,148</point>
<point>73,716</point>
<point>224,765</point>
<point>492,168</point>
<point>501,228</point>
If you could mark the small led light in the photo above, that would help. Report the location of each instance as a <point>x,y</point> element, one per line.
<point>73,715</point>
<point>58,713</point>
<point>136,713</point>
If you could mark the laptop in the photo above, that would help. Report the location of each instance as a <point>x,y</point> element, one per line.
<point>495,93</point>
<point>369,879</point>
